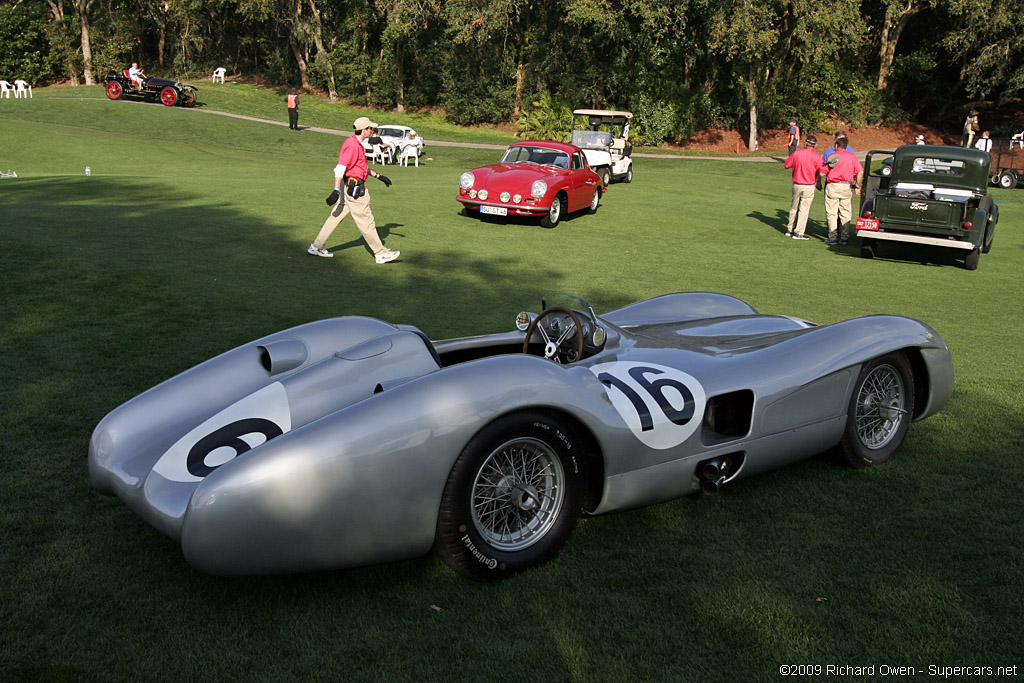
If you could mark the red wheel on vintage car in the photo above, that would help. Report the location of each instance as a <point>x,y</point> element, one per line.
<point>114,90</point>
<point>169,96</point>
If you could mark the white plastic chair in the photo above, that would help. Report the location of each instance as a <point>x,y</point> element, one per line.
<point>1019,139</point>
<point>22,89</point>
<point>409,152</point>
<point>219,73</point>
<point>381,154</point>
<point>5,89</point>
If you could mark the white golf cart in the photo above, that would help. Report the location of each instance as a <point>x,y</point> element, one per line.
<point>603,135</point>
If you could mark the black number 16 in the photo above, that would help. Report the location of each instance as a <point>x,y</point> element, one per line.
<point>656,389</point>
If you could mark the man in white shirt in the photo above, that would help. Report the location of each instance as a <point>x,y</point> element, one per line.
<point>984,143</point>
<point>136,75</point>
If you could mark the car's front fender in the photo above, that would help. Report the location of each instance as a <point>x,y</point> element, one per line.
<point>364,484</point>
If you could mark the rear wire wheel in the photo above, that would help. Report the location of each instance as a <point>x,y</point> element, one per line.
<point>513,497</point>
<point>880,411</point>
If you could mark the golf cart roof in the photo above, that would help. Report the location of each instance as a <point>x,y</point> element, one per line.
<point>603,112</point>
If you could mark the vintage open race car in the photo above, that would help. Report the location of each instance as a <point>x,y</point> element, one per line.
<point>352,441</point>
<point>119,85</point>
<point>542,179</point>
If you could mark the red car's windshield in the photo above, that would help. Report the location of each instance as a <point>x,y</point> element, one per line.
<point>536,155</point>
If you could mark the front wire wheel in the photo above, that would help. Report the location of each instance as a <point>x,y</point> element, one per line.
<point>880,411</point>
<point>169,96</point>
<point>114,90</point>
<point>513,497</point>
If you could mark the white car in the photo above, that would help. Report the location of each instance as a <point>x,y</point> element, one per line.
<point>399,137</point>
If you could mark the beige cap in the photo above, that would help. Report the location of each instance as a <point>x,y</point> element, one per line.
<point>363,122</point>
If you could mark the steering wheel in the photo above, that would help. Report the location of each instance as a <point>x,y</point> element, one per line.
<point>551,347</point>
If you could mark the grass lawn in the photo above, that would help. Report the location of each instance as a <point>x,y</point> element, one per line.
<point>189,238</point>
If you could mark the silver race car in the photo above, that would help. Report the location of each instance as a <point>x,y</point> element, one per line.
<point>352,441</point>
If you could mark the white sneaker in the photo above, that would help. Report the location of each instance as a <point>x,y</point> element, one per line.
<point>319,252</point>
<point>387,256</point>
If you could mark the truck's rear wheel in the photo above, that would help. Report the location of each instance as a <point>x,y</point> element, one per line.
<point>972,258</point>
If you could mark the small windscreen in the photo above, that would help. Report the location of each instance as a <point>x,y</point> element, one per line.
<point>948,167</point>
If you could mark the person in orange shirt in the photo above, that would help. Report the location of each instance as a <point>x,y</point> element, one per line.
<point>293,109</point>
<point>794,138</point>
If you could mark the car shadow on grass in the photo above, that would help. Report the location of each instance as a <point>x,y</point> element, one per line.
<point>524,221</point>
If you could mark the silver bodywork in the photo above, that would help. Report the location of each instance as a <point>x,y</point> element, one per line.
<point>329,444</point>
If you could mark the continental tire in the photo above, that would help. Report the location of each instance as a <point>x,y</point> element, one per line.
<point>513,498</point>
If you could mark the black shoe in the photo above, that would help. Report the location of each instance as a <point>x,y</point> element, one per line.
<point>831,242</point>
<point>843,243</point>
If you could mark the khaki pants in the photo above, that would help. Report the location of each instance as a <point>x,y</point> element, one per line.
<point>361,214</point>
<point>838,209</point>
<point>803,196</point>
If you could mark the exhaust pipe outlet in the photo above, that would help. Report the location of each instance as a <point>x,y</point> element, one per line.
<point>713,474</point>
<point>709,487</point>
<point>715,468</point>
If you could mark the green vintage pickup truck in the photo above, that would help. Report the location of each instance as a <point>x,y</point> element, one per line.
<point>928,194</point>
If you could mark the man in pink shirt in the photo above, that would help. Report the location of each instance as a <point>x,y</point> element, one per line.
<point>806,165</point>
<point>842,174</point>
<point>351,195</point>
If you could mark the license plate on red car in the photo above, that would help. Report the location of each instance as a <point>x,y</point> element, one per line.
<point>867,224</point>
<point>494,210</point>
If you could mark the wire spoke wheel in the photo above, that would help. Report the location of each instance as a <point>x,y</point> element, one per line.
<point>880,408</point>
<point>517,494</point>
<point>513,497</point>
<point>880,411</point>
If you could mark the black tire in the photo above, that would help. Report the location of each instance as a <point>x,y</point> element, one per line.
<point>472,213</point>
<point>1008,180</point>
<point>555,212</point>
<point>880,411</point>
<point>595,201</point>
<point>493,521</point>
<point>990,231</point>
<point>628,178</point>
<point>972,258</point>
<point>867,248</point>
<point>992,212</point>
<point>188,98</point>
<point>606,176</point>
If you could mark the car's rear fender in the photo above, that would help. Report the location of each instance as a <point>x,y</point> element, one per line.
<point>128,441</point>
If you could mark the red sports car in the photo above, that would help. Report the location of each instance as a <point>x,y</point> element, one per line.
<point>534,178</point>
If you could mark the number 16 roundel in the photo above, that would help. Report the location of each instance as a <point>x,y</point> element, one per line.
<point>661,405</point>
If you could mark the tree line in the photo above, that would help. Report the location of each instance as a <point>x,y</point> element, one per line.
<point>679,65</point>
